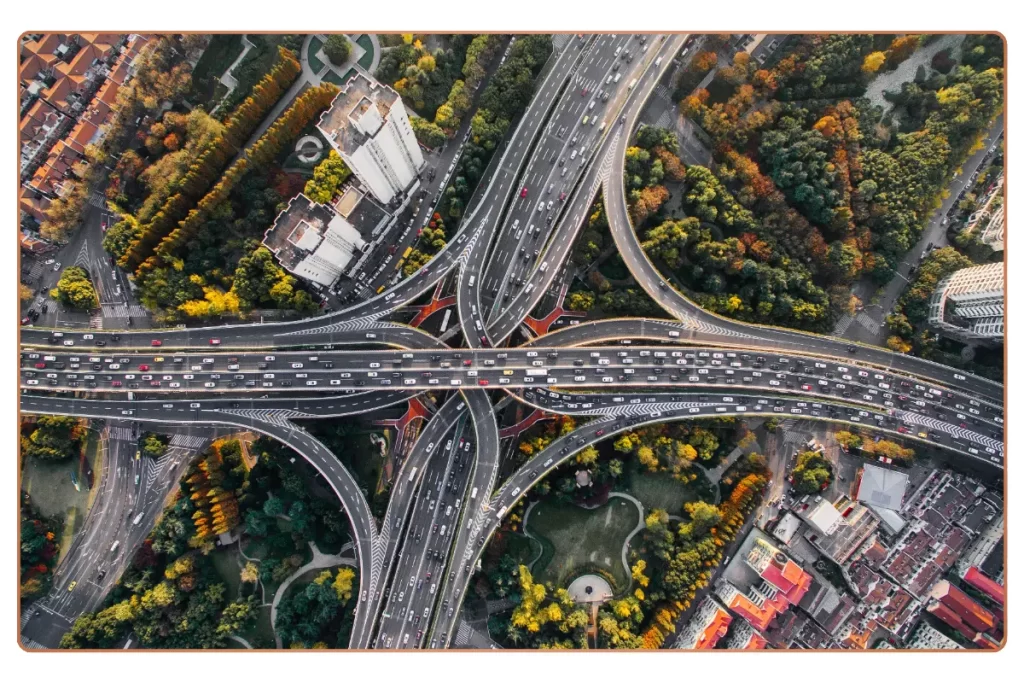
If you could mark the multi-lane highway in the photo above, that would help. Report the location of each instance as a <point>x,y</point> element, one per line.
<point>415,563</point>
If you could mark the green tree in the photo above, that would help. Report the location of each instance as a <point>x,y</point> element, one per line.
<point>337,49</point>
<point>53,437</point>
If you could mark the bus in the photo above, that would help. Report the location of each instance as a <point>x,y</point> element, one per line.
<point>501,512</point>
<point>381,289</point>
<point>401,262</point>
<point>536,372</point>
<point>405,254</point>
<point>447,317</point>
<point>412,475</point>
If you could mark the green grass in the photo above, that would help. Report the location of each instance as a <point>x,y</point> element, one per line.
<point>367,59</point>
<point>574,537</point>
<point>660,490</point>
<point>523,548</point>
<point>49,485</point>
<point>222,51</point>
<point>314,46</point>
<point>225,561</point>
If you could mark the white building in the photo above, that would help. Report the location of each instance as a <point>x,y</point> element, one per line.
<point>369,127</point>
<point>968,305</point>
<point>928,638</point>
<point>312,241</point>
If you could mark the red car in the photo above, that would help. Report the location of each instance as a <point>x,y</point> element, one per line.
<point>482,382</point>
<point>143,367</point>
<point>523,193</point>
<point>806,387</point>
<point>40,366</point>
<point>467,362</point>
<point>584,93</point>
<point>600,432</point>
<point>115,383</point>
<point>26,320</point>
<point>155,383</point>
<point>215,342</point>
<point>156,342</point>
<point>561,197</point>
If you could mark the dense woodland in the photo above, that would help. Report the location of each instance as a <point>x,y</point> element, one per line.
<point>812,188</point>
<point>52,437</point>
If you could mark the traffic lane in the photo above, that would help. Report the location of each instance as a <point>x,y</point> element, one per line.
<point>577,366</point>
<point>433,517</point>
<point>396,517</point>
<point>524,302</point>
<point>563,132</point>
<point>739,379</point>
<point>502,188</point>
<point>650,328</point>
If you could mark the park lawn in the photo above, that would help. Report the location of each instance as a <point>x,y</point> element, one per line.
<point>660,490</point>
<point>261,633</point>
<point>314,46</point>
<point>49,485</point>
<point>580,537</point>
<point>225,561</point>
<point>223,50</point>
<point>523,548</point>
<point>367,59</point>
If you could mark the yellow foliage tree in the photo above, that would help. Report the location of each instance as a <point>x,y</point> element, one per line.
<point>873,62</point>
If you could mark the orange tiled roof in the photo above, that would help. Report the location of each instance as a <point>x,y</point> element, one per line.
<point>81,62</point>
<point>80,135</point>
<point>30,67</point>
<point>986,585</point>
<point>714,631</point>
<point>979,618</point>
<point>108,92</point>
<point>45,46</point>
<point>32,203</point>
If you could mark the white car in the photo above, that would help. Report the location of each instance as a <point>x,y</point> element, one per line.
<point>68,342</point>
<point>174,385</point>
<point>210,385</point>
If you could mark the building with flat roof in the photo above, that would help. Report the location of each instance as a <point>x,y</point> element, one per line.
<point>369,127</point>
<point>709,623</point>
<point>881,487</point>
<point>744,637</point>
<point>969,304</point>
<point>312,241</point>
<point>836,529</point>
<point>926,637</point>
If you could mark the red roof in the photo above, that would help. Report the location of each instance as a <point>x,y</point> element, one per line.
<point>968,609</point>
<point>986,585</point>
<point>714,631</point>
<point>950,617</point>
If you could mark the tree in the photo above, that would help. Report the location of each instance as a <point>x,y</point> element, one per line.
<point>849,440</point>
<point>873,62</point>
<point>25,293</point>
<point>53,437</point>
<point>74,289</point>
<point>812,472</point>
<point>337,49</point>
<point>580,301</point>
<point>328,176</point>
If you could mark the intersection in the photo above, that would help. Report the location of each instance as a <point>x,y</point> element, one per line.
<point>414,569</point>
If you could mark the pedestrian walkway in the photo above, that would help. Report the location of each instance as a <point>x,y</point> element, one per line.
<point>122,434</point>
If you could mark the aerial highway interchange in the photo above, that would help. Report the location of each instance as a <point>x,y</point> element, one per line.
<point>519,229</point>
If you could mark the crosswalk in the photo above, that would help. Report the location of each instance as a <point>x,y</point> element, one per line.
<point>121,434</point>
<point>842,325</point>
<point>97,199</point>
<point>122,310</point>
<point>191,442</point>
<point>664,93</point>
